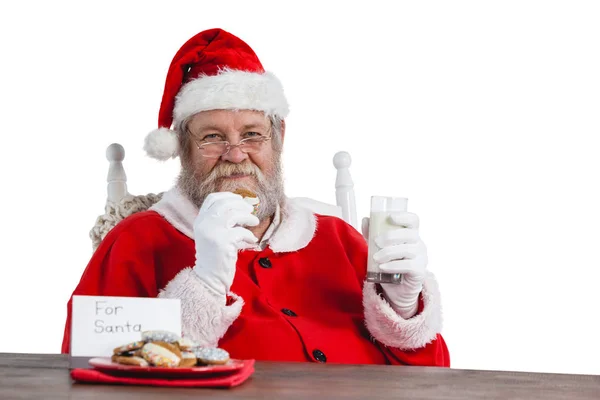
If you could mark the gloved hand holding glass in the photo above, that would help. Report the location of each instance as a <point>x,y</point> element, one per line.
<point>397,257</point>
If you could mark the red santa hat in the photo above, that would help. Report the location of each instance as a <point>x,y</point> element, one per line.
<point>214,70</point>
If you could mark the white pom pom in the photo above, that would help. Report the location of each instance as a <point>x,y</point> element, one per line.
<point>162,144</point>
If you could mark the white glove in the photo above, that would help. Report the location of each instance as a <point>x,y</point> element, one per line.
<point>401,252</point>
<point>219,235</point>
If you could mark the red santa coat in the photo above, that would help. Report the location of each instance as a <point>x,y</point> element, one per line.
<point>302,298</point>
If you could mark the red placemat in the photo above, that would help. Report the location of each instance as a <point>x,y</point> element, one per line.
<point>219,381</point>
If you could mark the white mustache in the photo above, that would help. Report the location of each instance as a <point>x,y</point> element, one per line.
<point>228,169</point>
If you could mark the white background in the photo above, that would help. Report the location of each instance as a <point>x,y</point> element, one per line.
<point>484,114</point>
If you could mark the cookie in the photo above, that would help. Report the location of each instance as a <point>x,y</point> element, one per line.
<point>244,192</point>
<point>211,355</point>
<point>250,198</point>
<point>172,347</point>
<point>137,361</point>
<point>128,348</point>
<point>186,344</point>
<point>188,359</point>
<point>160,336</point>
<point>162,354</point>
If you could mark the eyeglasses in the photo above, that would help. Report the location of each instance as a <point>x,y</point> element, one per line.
<point>212,147</point>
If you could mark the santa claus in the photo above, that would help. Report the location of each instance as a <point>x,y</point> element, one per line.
<point>267,281</point>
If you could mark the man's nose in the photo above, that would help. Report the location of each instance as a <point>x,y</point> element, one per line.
<point>235,155</point>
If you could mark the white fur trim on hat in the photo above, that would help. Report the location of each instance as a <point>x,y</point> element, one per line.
<point>162,144</point>
<point>232,90</point>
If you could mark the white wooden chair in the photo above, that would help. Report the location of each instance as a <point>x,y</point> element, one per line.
<point>120,203</point>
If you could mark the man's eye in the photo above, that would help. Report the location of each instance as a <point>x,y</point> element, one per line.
<point>213,137</point>
<point>252,134</point>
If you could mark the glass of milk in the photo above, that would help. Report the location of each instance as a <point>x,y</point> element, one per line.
<point>381,208</point>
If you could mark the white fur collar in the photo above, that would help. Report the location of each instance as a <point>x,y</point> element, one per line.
<point>297,228</point>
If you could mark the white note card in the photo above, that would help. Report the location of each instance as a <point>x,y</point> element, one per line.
<point>101,323</point>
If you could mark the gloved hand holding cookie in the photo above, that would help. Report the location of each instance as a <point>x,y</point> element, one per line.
<point>167,350</point>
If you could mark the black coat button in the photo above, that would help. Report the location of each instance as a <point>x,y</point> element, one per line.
<point>289,312</point>
<point>265,263</point>
<point>319,356</point>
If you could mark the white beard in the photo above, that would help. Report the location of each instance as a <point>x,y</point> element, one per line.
<point>269,190</point>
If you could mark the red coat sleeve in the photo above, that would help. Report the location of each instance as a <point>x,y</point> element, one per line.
<point>416,341</point>
<point>434,354</point>
<point>119,267</point>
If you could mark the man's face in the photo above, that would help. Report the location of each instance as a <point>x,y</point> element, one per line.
<point>258,172</point>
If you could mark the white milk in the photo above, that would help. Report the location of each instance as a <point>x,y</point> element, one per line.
<point>381,207</point>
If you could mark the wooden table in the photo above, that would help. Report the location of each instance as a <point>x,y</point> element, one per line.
<point>32,376</point>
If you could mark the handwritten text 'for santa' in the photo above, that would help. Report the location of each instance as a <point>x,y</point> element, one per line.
<point>101,323</point>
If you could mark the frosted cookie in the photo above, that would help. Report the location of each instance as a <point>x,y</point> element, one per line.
<point>250,198</point>
<point>188,359</point>
<point>161,354</point>
<point>186,344</point>
<point>160,336</point>
<point>211,356</point>
<point>137,361</point>
<point>172,347</point>
<point>128,348</point>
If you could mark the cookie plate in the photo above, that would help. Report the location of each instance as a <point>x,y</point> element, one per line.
<point>106,365</point>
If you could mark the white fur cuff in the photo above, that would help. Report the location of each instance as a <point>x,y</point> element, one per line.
<point>390,329</point>
<point>204,316</point>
